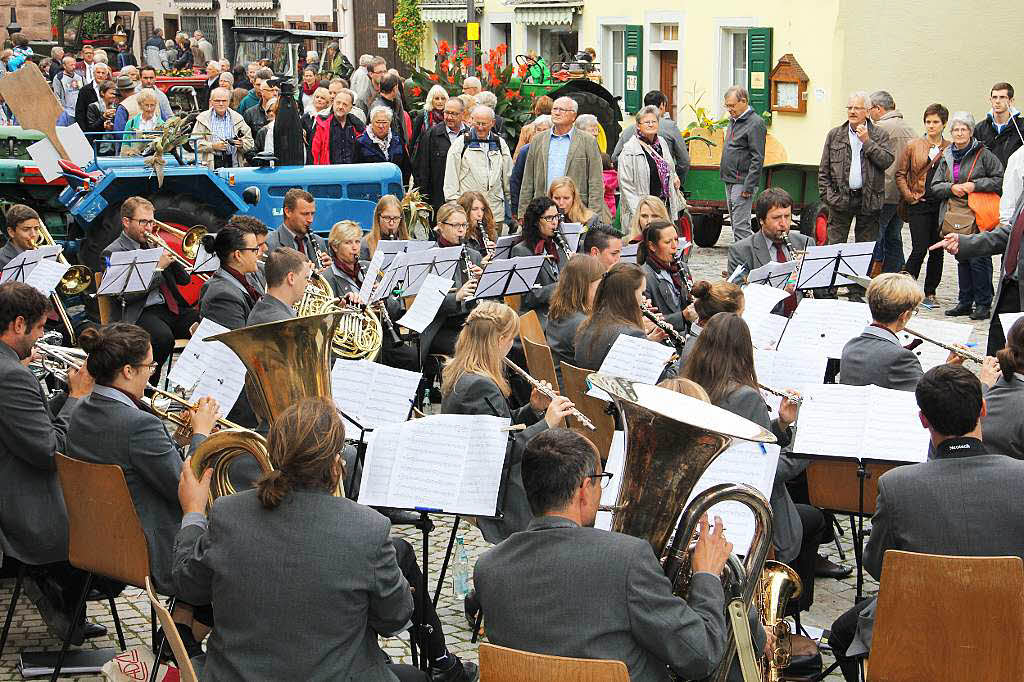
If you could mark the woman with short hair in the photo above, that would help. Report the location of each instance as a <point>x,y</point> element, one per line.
<point>432,114</point>
<point>379,144</point>
<point>646,167</point>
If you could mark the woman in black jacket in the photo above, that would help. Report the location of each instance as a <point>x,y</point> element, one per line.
<point>378,144</point>
<point>184,60</point>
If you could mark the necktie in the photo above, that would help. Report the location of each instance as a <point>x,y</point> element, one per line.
<point>789,304</point>
<point>169,300</point>
<point>300,245</point>
<point>1013,248</point>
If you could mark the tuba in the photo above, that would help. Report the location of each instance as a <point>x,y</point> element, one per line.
<point>671,440</point>
<point>359,334</point>
<point>286,362</point>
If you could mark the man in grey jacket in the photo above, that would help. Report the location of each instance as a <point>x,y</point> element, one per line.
<point>667,129</point>
<point>563,587</point>
<point>742,159</point>
<point>889,247</point>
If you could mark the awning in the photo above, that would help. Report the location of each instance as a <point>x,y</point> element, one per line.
<point>252,4</point>
<point>443,15</point>
<point>557,15</point>
<point>193,4</point>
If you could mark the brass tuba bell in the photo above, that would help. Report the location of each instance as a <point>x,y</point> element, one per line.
<point>779,584</point>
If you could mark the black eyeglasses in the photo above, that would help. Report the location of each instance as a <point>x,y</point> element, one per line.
<point>254,249</point>
<point>605,476</point>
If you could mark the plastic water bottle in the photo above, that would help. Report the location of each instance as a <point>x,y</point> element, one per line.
<point>460,569</point>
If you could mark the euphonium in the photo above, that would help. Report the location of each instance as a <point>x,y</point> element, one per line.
<point>671,440</point>
<point>779,584</point>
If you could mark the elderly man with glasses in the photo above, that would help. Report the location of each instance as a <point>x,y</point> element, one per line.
<point>479,161</point>
<point>226,137</point>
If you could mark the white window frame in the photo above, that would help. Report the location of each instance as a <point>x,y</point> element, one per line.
<point>605,29</point>
<point>652,65</point>
<point>495,35</point>
<point>725,27</point>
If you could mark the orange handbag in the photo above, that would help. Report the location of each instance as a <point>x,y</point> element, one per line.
<point>986,209</point>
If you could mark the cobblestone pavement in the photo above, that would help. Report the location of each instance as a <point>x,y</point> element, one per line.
<point>832,597</point>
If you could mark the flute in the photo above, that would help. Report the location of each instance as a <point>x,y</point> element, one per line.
<point>956,350</point>
<point>792,397</point>
<point>579,416</point>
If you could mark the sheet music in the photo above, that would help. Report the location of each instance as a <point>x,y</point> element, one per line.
<point>448,463</point>
<point>426,304</point>
<point>930,355</point>
<point>46,157</point>
<point>414,245</point>
<point>371,393</point>
<point>20,267</point>
<point>825,325</point>
<point>765,328</point>
<point>1007,320</point>
<point>194,360</point>
<point>861,422</point>
<point>773,274</point>
<point>390,248</point>
<point>45,275</point>
<point>615,464</point>
<point>628,254</point>
<point>440,261</point>
<point>819,264</point>
<point>782,370</point>
<point>634,358</point>
<point>205,261</point>
<point>496,280</point>
<point>503,247</point>
<point>372,272</point>
<point>130,271</point>
<point>223,378</point>
<point>761,298</point>
<point>743,462</point>
<point>390,280</point>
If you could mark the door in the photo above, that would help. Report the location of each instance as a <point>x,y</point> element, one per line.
<point>373,32</point>
<point>170,26</point>
<point>670,78</point>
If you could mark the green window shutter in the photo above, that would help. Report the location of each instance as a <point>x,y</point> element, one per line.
<point>633,58</point>
<point>759,66</point>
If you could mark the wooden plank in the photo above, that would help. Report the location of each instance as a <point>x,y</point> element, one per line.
<point>33,103</point>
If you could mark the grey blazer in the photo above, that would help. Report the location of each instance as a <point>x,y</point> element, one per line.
<point>753,251</point>
<point>583,164</point>
<point>564,590</point>
<point>1002,425</point>
<point>540,298</point>
<point>666,299</point>
<point>33,521</point>
<point>787,531</point>
<point>318,565</point>
<point>134,303</point>
<point>991,243</point>
<point>283,237</point>
<point>107,428</point>
<point>224,300</point>
<point>561,337</point>
<point>876,357</point>
<point>592,348</point>
<point>269,309</point>
<point>476,394</point>
<point>8,253</point>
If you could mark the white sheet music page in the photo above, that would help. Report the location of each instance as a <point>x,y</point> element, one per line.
<point>761,298</point>
<point>426,304</point>
<point>634,358</point>
<point>372,271</point>
<point>615,464</point>
<point>772,274</point>
<point>371,393</point>
<point>190,365</point>
<point>946,331</point>
<point>743,462</point>
<point>45,276</point>
<point>223,377</point>
<point>896,415</point>
<point>1007,320</point>
<point>824,325</point>
<point>765,328</point>
<point>782,370</point>
<point>821,263</point>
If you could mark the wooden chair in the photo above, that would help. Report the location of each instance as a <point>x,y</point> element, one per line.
<point>539,363</point>
<point>500,664</point>
<point>948,618</point>
<point>185,670</point>
<point>530,328</point>
<point>514,301</point>
<point>575,381</point>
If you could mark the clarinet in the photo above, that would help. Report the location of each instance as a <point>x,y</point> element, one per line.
<point>489,246</point>
<point>464,265</point>
<point>317,253</point>
<point>560,240</point>
<point>674,336</point>
<point>385,316</point>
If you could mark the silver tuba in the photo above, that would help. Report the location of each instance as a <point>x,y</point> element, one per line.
<point>671,440</point>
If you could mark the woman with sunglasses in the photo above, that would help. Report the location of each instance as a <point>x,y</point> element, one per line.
<point>235,288</point>
<point>540,221</point>
<point>114,426</point>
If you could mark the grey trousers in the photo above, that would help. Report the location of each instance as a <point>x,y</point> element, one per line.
<point>739,211</point>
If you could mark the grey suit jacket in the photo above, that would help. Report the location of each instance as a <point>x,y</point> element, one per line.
<point>33,521</point>
<point>666,299</point>
<point>876,357</point>
<point>753,251</point>
<point>476,394</point>
<point>992,243</point>
<point>8,253</point>
<point>563,590</point>
<point>269,309</point>
<point>321,581</point>
<point>108,429</point>
<point>283,237</point>
<point>134,303</point>
<point>224,300</point>
<point>452,312</point>
<point>1002,425</point>
<point>540,298</point>
<point>583,165</point>
<point>561,337</point>
<point>787,531</point>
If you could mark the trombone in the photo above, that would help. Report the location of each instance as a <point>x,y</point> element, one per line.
<point>190,241</point>
<point>75,281</point>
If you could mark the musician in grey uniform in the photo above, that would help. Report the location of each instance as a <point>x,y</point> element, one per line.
<point>296,229</point>
<point>564,588</point>
<point>23,225</point>
<point>570,304</point>
<point>1003,377</point>
<point>287,274</point>
<point>668,277</point>
<point>229,296</point>
<point>540,221</point>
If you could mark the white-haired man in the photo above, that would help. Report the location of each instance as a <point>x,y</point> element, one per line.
<point>479,161</point>
<point>360,79</point>
<point>226,137</point>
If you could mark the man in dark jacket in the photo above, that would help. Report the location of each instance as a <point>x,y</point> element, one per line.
<point>1002,131</point>
<point>432,152</point>
<point>334,136</point>
<point>852,185</point>
<point>742,159</point>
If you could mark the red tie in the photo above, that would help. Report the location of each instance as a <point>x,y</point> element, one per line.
<point>789,304</point>
<point>300,245</point>
<point>172,303</point>
<point>1013,249</point>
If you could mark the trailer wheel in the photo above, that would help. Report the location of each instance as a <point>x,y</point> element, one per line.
<point>707,227</point>
<point>814,222</point>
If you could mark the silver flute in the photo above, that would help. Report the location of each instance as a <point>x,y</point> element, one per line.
<point>956,350</point>
<point>791,397</point>
<point>577,415</point>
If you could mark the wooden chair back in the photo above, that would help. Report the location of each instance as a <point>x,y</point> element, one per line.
<point>513,301</point>
<point>948,618</point>
<point>104,533</point>
<point>500,664</point>
<point>186,673</point>
<point>105,304</point>
<point>832,484</point>
<point>539,363</point>
<point>530,328</point>
<point>574,381</point>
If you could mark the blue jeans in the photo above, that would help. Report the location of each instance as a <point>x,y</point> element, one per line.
<point>889,246</point>
<point>975,277</point>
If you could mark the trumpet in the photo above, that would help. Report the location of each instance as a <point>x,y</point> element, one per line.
<point>674,336</point>
<point>577,415</point>
<point>181,418</point>
<point>956,350</point>
<point>59,360</point>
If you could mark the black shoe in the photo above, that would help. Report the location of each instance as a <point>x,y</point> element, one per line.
<point>92,630</point>
<point>982,312</point>
<point>959,310</point>
<point>56,619</point>
<point>824,568</point>
<point>456,671</point>
<point>192,647</point>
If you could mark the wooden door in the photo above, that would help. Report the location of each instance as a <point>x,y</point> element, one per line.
<point>373,20</point>
<point>670,78</point>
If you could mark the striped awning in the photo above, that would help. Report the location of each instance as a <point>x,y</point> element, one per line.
<point>443,15</point>
<point>252,4</point>
<point>193,4</point>
<point>555,15</point>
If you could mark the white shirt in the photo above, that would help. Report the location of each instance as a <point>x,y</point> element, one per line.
<point>856,178</point>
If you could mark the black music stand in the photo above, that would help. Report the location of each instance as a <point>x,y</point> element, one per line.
<point>509,276</point>
<point>503,247</point>
<point>205,262</point>
<point>129,272</point>
<point>825,266</point>
<point>22,265</point>
<point>439,261</point>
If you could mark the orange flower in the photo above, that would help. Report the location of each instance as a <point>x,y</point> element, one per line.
<point>433,77</point>
<point>416,91</point>
<point>444,65</point>
<point>495,82</point>
<point>467,62</point>
<point>443,48</point>
<point>451,79</point>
